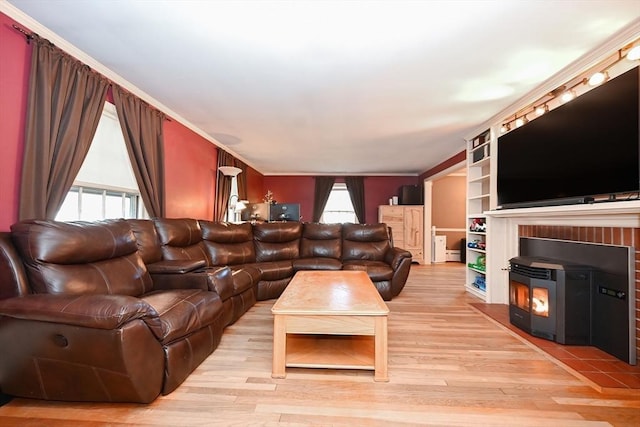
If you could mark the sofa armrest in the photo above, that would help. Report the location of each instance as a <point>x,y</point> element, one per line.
<point>178,266</point>
<point>395,256</point>
<point>216,279</point>
<point>91,311</point>
<point>220,280</point>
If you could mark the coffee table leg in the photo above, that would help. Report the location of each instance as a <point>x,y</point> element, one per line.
<point>381,354</point>
<point>279,347</point>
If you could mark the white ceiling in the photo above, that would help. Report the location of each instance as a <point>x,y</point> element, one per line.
<point>334,87</point>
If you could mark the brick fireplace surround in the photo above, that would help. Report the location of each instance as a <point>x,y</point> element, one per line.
<point>616,223</point>
<point>624,236</point>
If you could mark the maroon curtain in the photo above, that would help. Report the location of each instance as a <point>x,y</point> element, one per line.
<point>355,187</point>
<point>223,186</point>
<point>142,129</point>
<point>64,107</point>
<point>323,187</point>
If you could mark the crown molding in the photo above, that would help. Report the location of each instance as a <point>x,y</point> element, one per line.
<point>32,25</point>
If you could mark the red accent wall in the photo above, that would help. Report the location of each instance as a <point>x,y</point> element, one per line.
<point>190,160</point>
<point>15,58</point>
<point>190,173</point>
<point>291,189</point>
<point>300,189</point>
<point>255,185</point>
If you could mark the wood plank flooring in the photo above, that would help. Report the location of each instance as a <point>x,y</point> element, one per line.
<point>448,366</point>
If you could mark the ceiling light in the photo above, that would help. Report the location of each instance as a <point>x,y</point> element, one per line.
<point>598,78</point>
<point>634,53</point>
<point>519,122</point>
<point>505,128</point>
<point>568,96</point>
<point>541,109</point>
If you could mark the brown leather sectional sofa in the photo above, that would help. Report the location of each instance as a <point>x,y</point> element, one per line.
<point>125,310</point>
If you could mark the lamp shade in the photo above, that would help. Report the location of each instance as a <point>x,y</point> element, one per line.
<point>229,170</point>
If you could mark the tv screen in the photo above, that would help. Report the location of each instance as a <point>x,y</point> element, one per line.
<point>585,148</point>
<point>284,212</point>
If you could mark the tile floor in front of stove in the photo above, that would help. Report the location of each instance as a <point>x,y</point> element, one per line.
<point>594,365</point>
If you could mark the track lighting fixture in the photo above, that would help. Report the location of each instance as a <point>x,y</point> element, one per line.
<point>568,96</point>
<point>634,53</point>
<point>598,78</point>
<point>541,109</point>
<point>564,93</point>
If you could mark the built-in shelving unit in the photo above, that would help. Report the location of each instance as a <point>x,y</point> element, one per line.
<point>478,202</point>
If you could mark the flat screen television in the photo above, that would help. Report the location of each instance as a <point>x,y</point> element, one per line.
<point>586,148</point>
<point>284,212</point>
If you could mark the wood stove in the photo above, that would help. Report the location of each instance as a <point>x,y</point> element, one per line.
<point>551,299</point>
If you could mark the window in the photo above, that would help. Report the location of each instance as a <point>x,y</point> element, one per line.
<point>339,208</point>
<point>91,204</point>
<point>105,186</point>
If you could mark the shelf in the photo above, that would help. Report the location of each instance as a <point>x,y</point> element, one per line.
<point>479,179</point>
<point>481,196</point>
<point>479,233</point>
<point>476,270</point>
<point>476,292</point>
<point>330,351</point>
<point>482,251</point>
<point>481,161</point>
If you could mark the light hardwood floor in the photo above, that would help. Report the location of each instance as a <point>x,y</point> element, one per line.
<point>448,366</point>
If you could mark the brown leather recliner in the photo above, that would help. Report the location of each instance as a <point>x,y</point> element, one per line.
<point>182,240</point>
<point>368,247</point>
<point>81,321</point>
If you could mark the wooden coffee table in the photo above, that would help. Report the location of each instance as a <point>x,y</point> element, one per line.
<point>330,319</point>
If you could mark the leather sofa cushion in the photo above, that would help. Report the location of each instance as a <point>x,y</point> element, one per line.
<point>184,311</point>
<point>73,242</point>
<point>245,278</point>
<point>365,242</point>
<point>224,232</point>
<point>228,244</point>
<point>377,271</point>
<point>81,258</point>
<point>178,231</point>
<point>275,270</point>
<point>321,240</point>
<point>181,238</point>
<point>277,241</point>
<point>317,263</point>
<point>147,239</point>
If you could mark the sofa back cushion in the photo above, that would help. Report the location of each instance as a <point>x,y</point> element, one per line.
<point>147,240</point>
<point>81,258</point>
<point>321,240</point>
<point>228,244</point>
<point>277,241</point>
<point>365,242</point>
<point>180,238</point>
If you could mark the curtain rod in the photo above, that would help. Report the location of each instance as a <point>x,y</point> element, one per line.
<point>29,37</point>
<point>26,33</point>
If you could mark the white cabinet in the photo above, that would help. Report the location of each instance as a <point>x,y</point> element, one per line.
<point>407,227</point>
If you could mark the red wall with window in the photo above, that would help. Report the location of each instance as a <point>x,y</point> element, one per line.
<point>190,160</point>
<point>300,189</point>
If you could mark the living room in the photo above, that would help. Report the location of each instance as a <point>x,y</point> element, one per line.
<point>190,194</point>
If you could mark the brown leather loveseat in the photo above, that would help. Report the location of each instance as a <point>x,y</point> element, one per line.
<point>125,310</point>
